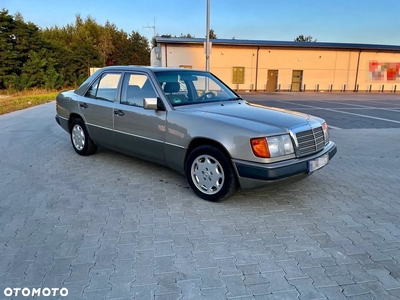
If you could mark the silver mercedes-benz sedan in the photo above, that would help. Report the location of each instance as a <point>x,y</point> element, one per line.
<point>193,123</point>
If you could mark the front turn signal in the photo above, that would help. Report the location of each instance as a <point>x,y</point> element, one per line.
<point>260,147</point>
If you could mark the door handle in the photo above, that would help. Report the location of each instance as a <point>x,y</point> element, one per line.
<point>119,113</point>
<point>84,105</point>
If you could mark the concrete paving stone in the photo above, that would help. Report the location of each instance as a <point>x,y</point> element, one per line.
<point>167,277</point>
<point>121,289</point>
<point>215,293</point>
<point>332,292</point>
<point>165,288</point>
<point>54,281</point>
<point>204,259</point>
<point>395,292</point>
<point>179,228</point>
<point>336,270</point>
<point>35,276</point>
<point>243,257</point>
<point>235,242</point>
<point>392,266</point>
<point>96,295</point>
<point>359,273</point>
<point>183,254</point>
<point>341,258</point>
<point>67,250</point>
<point>341,280</point>
<point>249,269</point>
<point>191,289</point>
<point>99,280</point>
<point>175,296</point>
<point>385,278</point>
<point>362,297</point>
<point>291,269</point>
<point>84,256</point>
<point>227,266</point>
<point>306,289</point>
<point>355,290</point>
<point>107,247</point>
<point>210,277</point>
<point>278,282</point>
<point>126,251</point>
<point>143,258</point>
<point>123,268</point>
<point>376,289</point>
<point>79,272</point>
<point>255,279</point>
<point>235,286</point>
<point>293,295</point>
<point>164,264</point>
<point>146,276</point>
<point>186,271</point>
<point>104,261</point>
<point>319,278</point>
<point>164,248</point>
<point>76,288</point>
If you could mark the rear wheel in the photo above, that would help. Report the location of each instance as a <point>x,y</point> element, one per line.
<point>210,174</point>
<point>80,139</point>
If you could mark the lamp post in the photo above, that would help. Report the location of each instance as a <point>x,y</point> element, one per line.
<point>208,37</point>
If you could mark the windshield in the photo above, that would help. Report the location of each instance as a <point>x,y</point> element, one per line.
<point>192,87</point>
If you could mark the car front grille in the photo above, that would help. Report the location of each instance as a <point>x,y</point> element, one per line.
<point>310,141</point>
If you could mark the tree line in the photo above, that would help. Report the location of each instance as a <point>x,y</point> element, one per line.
<point>59,57</point>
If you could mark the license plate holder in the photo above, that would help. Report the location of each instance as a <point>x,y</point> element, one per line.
<point>318,163</point>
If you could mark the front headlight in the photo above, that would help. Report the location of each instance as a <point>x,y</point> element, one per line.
<point>273,146</point>
<point>326,132</point>
<point>280,145</point>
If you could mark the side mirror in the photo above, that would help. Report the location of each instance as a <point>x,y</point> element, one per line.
<point>150,103</point>
<point>153,104</point>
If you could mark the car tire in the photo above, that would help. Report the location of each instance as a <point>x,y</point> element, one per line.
<point>210,174</point>
<point>80,138</point>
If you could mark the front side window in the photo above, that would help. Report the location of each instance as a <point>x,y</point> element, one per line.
<point>104,88</point>
<point>193,87</point>
<point>135,88</point>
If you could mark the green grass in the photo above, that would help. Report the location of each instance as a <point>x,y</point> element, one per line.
<point>14,102</point>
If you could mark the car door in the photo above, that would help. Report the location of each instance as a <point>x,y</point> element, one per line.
<point>138,131</point>
<point>97,107</point>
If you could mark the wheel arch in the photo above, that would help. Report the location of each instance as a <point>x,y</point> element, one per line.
<point>201,141</point>
<point>72,118</point>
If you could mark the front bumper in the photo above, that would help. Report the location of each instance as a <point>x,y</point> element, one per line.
<point>252,174</point>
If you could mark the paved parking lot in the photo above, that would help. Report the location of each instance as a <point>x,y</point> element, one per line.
<point>112,227</point>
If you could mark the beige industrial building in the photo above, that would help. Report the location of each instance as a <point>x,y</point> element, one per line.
<point>287,66</point>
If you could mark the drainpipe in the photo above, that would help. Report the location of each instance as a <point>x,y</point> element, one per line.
<point>358,65</point>
<point>166,56</point>
<point>258,50</point>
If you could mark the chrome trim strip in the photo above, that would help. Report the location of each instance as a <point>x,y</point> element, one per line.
<point>61,117</point>
<point>175,145</point>
<point>90,124</point>
<point>139,136</point>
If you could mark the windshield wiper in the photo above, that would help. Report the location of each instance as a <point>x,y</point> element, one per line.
<point>237,98</point>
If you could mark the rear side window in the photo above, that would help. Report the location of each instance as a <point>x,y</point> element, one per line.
<point>104,88</point>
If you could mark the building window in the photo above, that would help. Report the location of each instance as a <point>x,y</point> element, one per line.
<point>238,75</point>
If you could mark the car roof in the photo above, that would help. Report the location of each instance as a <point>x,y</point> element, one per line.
<point>143,68</point>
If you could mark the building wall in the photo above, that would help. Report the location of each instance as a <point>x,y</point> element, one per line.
<point>327,68</point>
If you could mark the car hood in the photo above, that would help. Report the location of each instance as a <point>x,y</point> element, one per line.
<point>243,112</point>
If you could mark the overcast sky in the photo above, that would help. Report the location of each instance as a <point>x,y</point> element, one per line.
<point>342,21</point>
